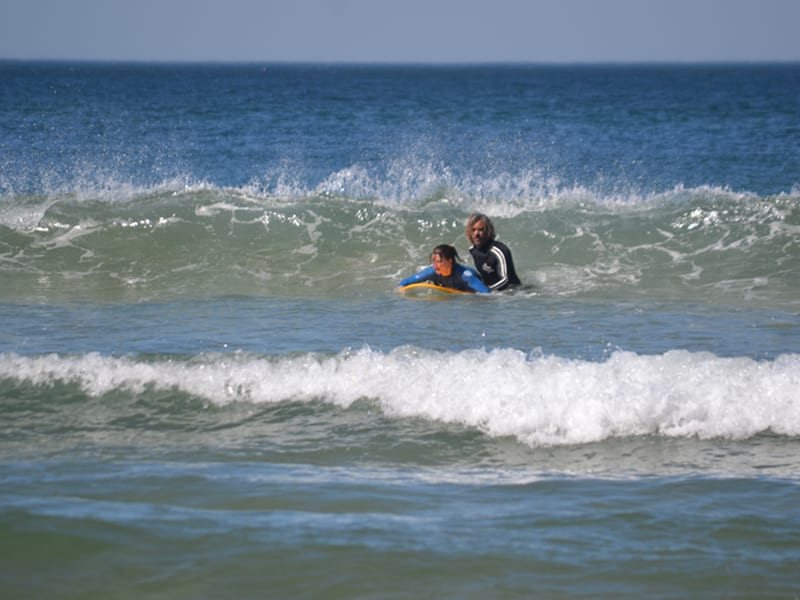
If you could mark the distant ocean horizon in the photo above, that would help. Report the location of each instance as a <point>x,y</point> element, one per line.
<point>209,385</point>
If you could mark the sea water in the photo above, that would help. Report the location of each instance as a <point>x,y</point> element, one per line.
<point>209,387</point>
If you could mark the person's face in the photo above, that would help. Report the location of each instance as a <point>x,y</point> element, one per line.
<point>441,265</point>
<point>478,234</point>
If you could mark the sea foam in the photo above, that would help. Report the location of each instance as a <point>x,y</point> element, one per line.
<point>539,400</point>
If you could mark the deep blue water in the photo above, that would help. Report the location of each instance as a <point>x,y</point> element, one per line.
<point>637,128</point>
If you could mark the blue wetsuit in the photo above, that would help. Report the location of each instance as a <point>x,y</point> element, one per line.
<point>462,278</point>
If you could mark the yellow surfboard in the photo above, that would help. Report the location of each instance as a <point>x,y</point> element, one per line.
<point>426,289</point>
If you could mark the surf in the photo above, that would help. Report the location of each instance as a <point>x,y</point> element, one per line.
<point>539,400</point>
<point>178,241</point>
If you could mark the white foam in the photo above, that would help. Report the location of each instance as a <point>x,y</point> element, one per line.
<point>23,217</point>
<point>68,233</point>
<point>408,182</point>
<point>539,400</point>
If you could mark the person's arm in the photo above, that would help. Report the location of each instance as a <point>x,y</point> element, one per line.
<point>425,275</point>
<point>501,268</point>
<point>473,280</point>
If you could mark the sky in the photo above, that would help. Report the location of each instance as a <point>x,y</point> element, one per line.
<point>409,31</point>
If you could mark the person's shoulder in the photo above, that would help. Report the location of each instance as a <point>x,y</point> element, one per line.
<point>499,248</point>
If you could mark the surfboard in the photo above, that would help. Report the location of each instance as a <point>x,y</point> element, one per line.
<point>426,289</point>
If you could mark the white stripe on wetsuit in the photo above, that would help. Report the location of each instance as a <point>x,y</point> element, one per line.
<point>502,267</point>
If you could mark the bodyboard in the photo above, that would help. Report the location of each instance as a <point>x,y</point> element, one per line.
<point>426,289</point>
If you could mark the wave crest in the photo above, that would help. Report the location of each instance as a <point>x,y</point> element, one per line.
<point>178,239</point>
<point>540,400</point>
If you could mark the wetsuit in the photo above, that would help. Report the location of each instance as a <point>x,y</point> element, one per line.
<point>495,265</point>
<point>462,278</point>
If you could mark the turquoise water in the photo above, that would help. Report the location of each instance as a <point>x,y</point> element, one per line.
<point>208,385</point>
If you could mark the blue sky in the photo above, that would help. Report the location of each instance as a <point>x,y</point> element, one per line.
<point>542,31</point>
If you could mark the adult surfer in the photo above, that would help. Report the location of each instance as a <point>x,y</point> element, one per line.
<point>492,258</point>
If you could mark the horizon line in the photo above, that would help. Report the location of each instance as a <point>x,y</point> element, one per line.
<point>378,63</point>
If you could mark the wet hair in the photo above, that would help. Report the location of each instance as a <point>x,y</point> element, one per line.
<point>447,252</point>
<point>487,222</point>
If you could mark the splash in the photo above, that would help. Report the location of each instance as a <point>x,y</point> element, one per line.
<point>191,239</point>
<point>540,400</point>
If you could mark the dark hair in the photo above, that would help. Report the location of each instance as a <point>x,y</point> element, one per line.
<point>487,222</point>
<point>447,252</point>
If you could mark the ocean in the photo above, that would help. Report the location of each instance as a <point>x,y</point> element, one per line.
<point>209,386</point>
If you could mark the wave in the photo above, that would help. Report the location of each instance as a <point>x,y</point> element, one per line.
<point>180,239</point>
<point>540,400</point>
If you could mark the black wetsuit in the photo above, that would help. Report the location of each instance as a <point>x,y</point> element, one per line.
<point>495,265</point>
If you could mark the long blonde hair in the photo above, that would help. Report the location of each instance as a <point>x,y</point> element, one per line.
<point>487,222</point>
